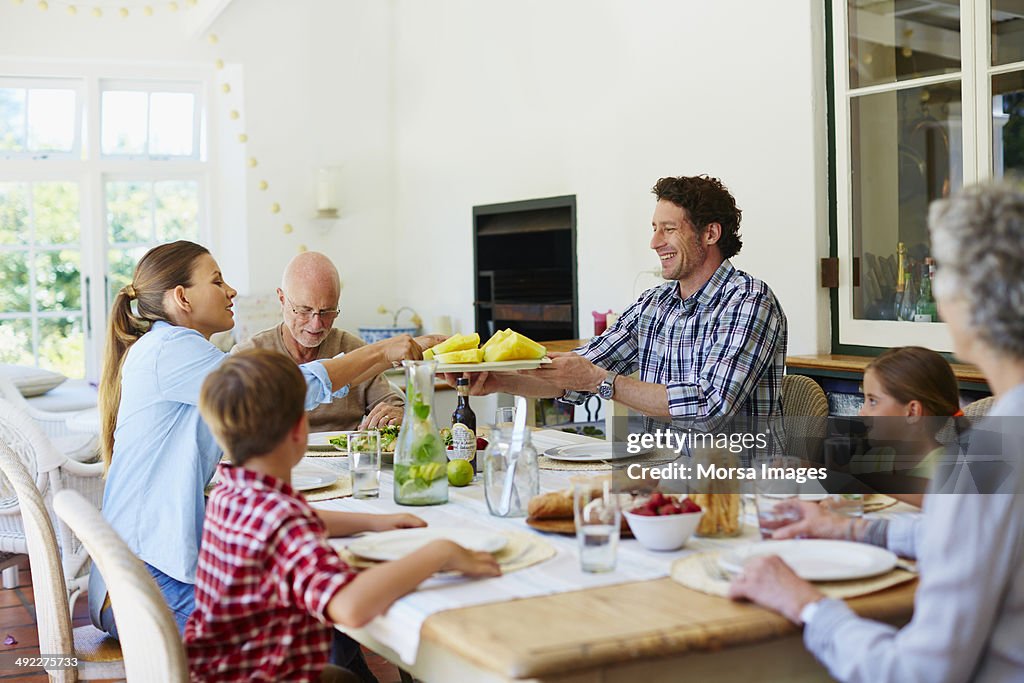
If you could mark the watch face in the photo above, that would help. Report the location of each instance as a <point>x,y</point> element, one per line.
<point>605,391</point>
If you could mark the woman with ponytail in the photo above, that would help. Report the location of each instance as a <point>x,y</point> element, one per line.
<point>159,453</point>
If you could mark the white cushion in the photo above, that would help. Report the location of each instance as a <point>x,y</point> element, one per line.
<point>31,381</point>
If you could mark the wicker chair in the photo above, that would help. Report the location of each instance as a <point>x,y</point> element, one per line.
<point>80,447</point>
<point>152,648</point>
<point>805,410</point>
<point>51,471</point>
<point>99,655</point>
<point>979,408</point>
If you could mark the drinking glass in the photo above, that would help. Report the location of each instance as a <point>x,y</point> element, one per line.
<point>598,519</point>
<point>771,514</point>
<point>504,418</point>
<point>849,504</point>
<point>364,463</point>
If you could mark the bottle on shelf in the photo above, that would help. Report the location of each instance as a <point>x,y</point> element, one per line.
<point>925,310</point>
<point>901,256</point>
<point>464,426</point>
<point>909,292</point>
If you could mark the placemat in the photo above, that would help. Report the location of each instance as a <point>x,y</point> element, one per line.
<point>339,489</point>
<point>700,572</point>
<point>873,502</point>
<point>546,463</point>
<point>522,550</point>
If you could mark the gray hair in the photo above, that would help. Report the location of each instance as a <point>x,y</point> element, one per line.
<point>978,242</point>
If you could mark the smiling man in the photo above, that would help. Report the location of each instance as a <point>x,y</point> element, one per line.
<point>309,295</point>
<point>708,344</point>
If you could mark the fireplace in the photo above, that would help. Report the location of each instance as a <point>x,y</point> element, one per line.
<point>524,255</point>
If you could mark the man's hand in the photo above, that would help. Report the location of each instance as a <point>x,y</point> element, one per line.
<point>816,521</point>
<point>396,521</point>
<point>769,582</point>
<point>571,372</point>
<point>382,415</point>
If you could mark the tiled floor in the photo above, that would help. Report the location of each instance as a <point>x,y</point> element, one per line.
<point>18,620</point>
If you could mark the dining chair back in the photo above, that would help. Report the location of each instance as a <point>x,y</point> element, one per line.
<point>980,407</point>
<point>805,414</point>
<point>51,471</point>
<point>98,655</point>
<point>150,642</point>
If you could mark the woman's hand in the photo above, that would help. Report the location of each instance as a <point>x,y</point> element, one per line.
<point>399,348</point>
<point>468,562</point>
<point>769,582</point>
<point>427,341</point>
<point>396,521</point>
<point>816,521</point>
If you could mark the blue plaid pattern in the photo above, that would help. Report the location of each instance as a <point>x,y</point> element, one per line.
<point>721,352</point>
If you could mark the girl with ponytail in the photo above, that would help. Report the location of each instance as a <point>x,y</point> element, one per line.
<point>159,453</point>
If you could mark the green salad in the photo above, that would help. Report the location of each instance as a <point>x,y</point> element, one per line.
<point>388,437</point>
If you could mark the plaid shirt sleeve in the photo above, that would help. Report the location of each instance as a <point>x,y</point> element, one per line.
<point>309,571</point>
<point>616,350</point>
<point>748,334</point>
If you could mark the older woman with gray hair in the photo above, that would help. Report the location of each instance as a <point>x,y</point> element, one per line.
<point>968,621</point>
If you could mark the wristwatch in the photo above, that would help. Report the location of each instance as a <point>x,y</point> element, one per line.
<point>606,389</point>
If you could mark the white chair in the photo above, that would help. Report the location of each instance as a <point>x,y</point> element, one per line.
<point>99,655</point>
<point>52,471</point>
<point>150,643</point>
<point>77,446</point>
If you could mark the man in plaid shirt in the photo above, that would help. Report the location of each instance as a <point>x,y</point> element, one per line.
<point>268,585</point>
<point>709,344</point>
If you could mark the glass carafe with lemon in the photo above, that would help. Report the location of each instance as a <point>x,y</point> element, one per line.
<point>421,476</point>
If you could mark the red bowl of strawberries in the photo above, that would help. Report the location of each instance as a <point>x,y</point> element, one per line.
<point>663,522</point>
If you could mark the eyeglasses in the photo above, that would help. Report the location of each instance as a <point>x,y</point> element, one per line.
<point>307,313</point>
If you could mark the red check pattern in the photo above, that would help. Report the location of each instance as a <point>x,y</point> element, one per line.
<point>265,577</point>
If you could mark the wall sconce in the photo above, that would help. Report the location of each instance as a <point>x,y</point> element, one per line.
<point>326,197</point>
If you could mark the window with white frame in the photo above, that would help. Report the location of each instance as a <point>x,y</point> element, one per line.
<point>929,96</point>
<point>93,172</point>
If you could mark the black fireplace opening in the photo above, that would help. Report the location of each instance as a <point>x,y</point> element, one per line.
<point>524,256</point>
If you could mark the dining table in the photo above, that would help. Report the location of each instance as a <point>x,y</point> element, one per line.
<point>553,622</point>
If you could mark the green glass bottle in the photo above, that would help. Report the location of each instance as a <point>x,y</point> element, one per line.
<point>925,310</point>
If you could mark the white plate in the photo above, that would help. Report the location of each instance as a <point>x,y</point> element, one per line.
<point>307,476</point>
<point>392,545</point>
<point>598,451</point>
<point>817,560</point>
<point>319,441</point>
<point>493,366</point>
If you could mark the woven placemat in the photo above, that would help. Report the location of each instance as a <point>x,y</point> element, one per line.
<point>339,489</point>
<point>700,572</point>
<point>324,452</point>
<point>522,550</point>
<point>546,463</point>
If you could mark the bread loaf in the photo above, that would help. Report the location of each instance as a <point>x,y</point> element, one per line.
<point>554,505</point>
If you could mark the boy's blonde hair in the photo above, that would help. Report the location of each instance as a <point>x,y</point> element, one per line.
<point>251,402</point>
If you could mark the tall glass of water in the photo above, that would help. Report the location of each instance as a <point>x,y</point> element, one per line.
<point>598,519</point>
<point>364,463</point>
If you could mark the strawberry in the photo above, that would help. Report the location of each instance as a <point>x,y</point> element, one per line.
<point>643,511</point>
<point>690,506</point>
<point>667,509</point>
<point>658,499</point>
<point>481,443</point>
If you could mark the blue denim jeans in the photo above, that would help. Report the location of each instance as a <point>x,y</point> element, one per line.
<point>180,598</point>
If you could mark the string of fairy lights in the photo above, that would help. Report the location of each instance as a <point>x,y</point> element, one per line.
<point>129,9</point>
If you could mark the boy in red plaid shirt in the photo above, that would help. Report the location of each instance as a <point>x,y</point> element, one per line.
<point>268,584</point>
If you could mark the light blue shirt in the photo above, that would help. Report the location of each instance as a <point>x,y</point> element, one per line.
<point>968,621</point>
<point>164,454</point>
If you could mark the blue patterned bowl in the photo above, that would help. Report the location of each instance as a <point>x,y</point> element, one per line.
<point>376,334</point>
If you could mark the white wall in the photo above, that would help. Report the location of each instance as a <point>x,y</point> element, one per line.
<point>498,101</point>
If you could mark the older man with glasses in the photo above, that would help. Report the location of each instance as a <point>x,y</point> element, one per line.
<point>309,294</point>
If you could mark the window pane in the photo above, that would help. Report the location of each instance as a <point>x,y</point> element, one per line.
<point>177,210</point>
<point>56,209</point>
<point>58,280</point>
<point>121,267</point>
<point>16,342</point>
<point>62,346</point>
<point>1007,31</point>
<point>14,228</point>
<point>51,120</point>
<point>171,123</point>
<point>894,40</point>
<point>906,151</point>
<point>128,212</point>
<point>124,122</point>
<point>14,281</point>
<point>1007,123</point>
<point>12,119</point>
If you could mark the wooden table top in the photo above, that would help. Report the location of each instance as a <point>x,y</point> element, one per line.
<point>856,364</point>
<point>614,624</point>
<point>563,345</point>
